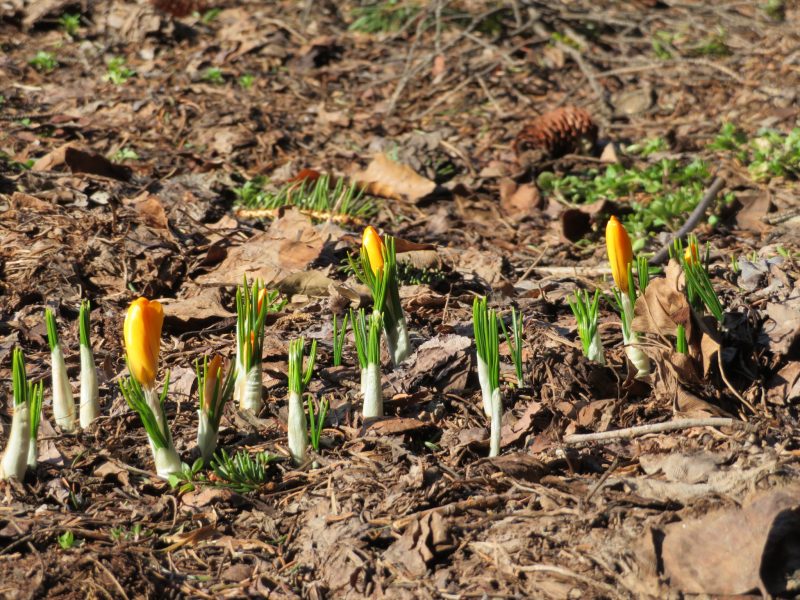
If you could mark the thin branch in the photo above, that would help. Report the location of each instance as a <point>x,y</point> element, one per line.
<point>631,432</point>
<point>697,215</point>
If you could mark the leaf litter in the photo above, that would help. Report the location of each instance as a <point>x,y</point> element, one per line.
<point>406,506</point>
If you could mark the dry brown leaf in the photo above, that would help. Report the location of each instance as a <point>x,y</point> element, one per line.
<point>519,202</point>
<point>290,244</point>
<point>385,178</point>
<point>737,550</point>
<point>204,305</point>
<point>662,308</point>
<point>784,387</point>
<point>150,209</point>
<point>395,425</point>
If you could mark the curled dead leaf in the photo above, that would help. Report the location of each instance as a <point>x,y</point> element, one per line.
<point>385,178</point>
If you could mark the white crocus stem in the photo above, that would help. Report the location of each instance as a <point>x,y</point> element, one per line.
<point>33,452</point>
<point>595,351</point>
<point>486,386</point>
<point>248,389</point>
<point>167,461</point>
<point>63,402</point>
<point>15,457</point>
<point>373,395</point>
<point>363,382</point>
<point>90,397</point>
<point>207,436</point>
<point>497,423</point>
<point>298,435</point>
<point>397,341</point>
<point>636,355</point>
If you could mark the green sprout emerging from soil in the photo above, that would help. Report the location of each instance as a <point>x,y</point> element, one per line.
<point>70,23</point>
<point>117,72</point>
<point>213,75</point>
<point>242,472</point>
<point>44,61</point>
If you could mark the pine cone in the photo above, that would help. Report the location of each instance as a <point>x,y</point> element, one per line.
<point>556,133</point>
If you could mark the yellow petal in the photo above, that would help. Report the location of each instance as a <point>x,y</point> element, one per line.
<point>142,333</point>
<point>373,244</point>
<point>620,252</point>
<point>690,254</point>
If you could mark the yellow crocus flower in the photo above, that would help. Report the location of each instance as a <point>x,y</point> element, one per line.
<point>620,252</point>
<point>373,244</point>
<point>142,333</point>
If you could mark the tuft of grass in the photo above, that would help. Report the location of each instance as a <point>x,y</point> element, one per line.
<point>242,472</point>
<point>117,73</point>
<point>70,23</point>
<point>44,61</point>
<point>246,81</point>
<point>379,17</point>
<point>124,154</point>
<point>213,75</point>
<point>714,45</point>
<point>317,197</point>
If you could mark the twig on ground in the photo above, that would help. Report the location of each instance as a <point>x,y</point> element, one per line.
<point>692,221</point>
<point>631,432</point>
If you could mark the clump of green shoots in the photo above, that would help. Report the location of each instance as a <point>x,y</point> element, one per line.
<point>215,389</point>
<point>487,342</point>
<point>252,306</point>
<point>20,452</point>
<point>70,23</point>
<point>242,472</point>
<point>298,381</point>
<point>151,411</point>
<point>63,401</point>
<point>699,289</point>
<point>117,73</point>
<point>321,198</point>
<point>44,61</point>
<point>90,395</point>
<point>213,75</point>
<point>367,336</point>
<point>377,269</point>
<point>316,420</point>
<point>515,342</point>
<point>586,314</point>
<point>338,340</point>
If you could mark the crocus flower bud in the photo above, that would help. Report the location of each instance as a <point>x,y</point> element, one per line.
<point>691,254</point>
<point>620,252</point>
<point>373,244</point>
<point>142,333</point>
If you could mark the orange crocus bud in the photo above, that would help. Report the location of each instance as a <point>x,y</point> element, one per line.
<point>142,333</point>
<point>262,293</point>
<point>691,254</point>
<point>620,252</point>
<point>213,375</point>
<point>372,243</point>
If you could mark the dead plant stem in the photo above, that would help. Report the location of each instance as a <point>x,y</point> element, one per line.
<point>639,430</point>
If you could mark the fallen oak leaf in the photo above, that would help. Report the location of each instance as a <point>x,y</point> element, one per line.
<point>388,179</point>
